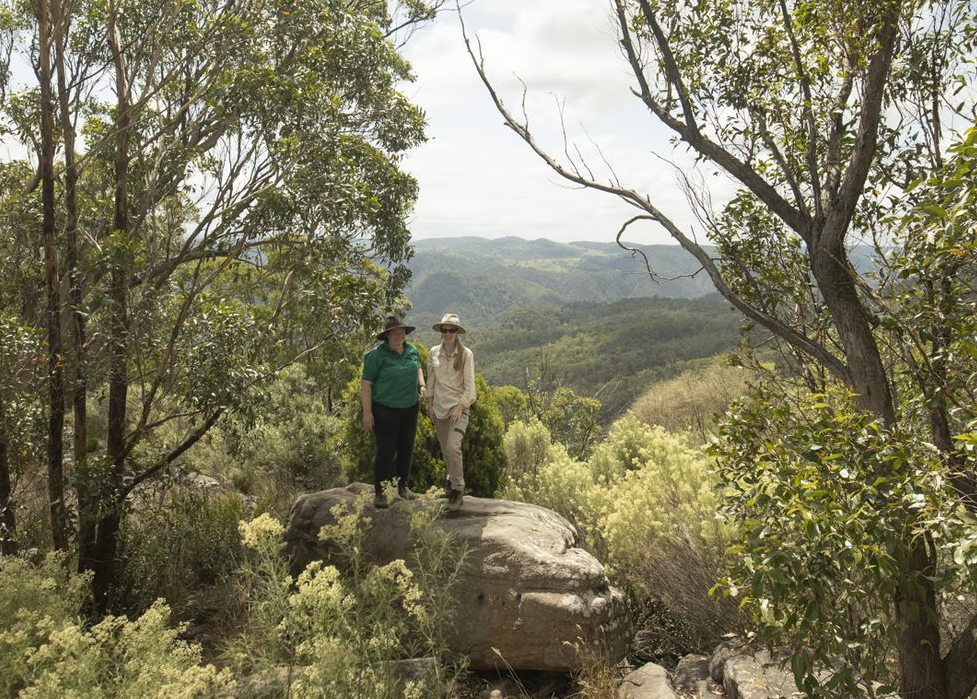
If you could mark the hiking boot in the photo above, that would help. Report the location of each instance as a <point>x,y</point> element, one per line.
<point>380,501</point>
<point>454,500</point>
<point>406,493</point>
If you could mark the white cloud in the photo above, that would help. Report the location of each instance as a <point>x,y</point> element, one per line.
<point>478,178</point>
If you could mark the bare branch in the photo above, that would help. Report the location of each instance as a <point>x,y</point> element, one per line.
<point>739,169</point>
<point>642,203</point>
<point>807,110</point>
<point>863,153</point>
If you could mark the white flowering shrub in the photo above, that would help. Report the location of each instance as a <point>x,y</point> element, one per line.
<point>542,473</point>
<point>646,504</point>
<point>46,650</point>
<point>343,630</point>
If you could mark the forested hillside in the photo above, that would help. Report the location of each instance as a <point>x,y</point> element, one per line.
<point>483,280</point>
<point>611,351</point>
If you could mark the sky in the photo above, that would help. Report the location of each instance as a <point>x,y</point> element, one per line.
<point>478,178</point>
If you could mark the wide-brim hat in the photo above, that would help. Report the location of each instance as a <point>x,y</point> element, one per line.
<point>450,319</point>
<point>392,323</point>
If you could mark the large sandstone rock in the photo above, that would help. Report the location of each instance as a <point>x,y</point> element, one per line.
<point>527,590</point>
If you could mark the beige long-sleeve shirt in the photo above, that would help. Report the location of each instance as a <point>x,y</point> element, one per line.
<point>448,386</point>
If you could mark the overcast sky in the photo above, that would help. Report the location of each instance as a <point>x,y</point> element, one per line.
<point>478,178</point>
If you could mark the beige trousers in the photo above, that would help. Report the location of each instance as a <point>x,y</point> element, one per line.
<point>449,437</point>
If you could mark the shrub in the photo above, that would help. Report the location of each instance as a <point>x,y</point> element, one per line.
<point>183,541</point>
<point>33,600</point>
<point>356,447</point>
<point>542,473</point>
<point>825,495</point>
<point>282,444</point>
<point>482,450</point>
<point>663,536</point>
<point>45,651</point>
<point>645,503</point>
<point>693,400</point>
<point>344,629</point>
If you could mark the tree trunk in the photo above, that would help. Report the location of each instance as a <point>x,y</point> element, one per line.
<point>867,375</point>
<point>55,363</point>
<point>8,519</point>
<point>79,388</point>
<point>109,515</point>
<point>921,667</point>
<point>922,675</point>
<point>103,568</point>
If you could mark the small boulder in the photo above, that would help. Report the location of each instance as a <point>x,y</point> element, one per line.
<point>691,675</point>
<point>527,590</point>
<point>650,681</point>
<point>757,676</point>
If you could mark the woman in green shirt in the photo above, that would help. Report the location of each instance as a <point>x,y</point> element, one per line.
<point>392,381</point>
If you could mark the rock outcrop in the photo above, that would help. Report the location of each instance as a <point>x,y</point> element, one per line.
<point>527,589</point>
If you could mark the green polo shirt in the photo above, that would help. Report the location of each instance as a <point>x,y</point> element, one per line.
<point>394,376</point>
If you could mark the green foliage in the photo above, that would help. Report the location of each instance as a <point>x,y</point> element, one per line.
<point>33,600</point>
<point>122,658</point>
<point>574,421</point>
<point>343,629</point>
<point>823,494</point>
<point>45,650</point>
<point>283,443</point>
<point>175,544</point>
<point>934,285</point>
<point>645,502</point>
<point>216,347</point>
<point>831,502</point>
<point>22,362</point>
<point>482,451</point>
<point>263,215</point>
<point>512,404</point>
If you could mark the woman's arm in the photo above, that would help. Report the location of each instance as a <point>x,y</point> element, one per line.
<point>468,396</point>
<point>468,388</point>
<point>420,382</point>
<point>432,384</point>
<point>366,398</point>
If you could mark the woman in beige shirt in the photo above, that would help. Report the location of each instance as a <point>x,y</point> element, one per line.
<point>451,392</point>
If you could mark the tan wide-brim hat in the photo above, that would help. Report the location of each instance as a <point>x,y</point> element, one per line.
<point>450,319</point>
<point>392,323</point>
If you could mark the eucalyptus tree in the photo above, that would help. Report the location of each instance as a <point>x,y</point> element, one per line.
<point>824,114</point>
<point>217,140</point>
<point>21,351</point>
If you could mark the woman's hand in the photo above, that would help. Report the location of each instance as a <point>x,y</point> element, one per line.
<point>455,414</point>
<point>368,421</point>
<point>430,411</point>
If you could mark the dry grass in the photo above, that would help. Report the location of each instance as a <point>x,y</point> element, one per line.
<point>691,401</point>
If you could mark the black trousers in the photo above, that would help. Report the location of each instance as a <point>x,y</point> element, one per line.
<point>394,430</point>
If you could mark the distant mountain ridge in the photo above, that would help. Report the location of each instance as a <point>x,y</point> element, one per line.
<point>483,279</point>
